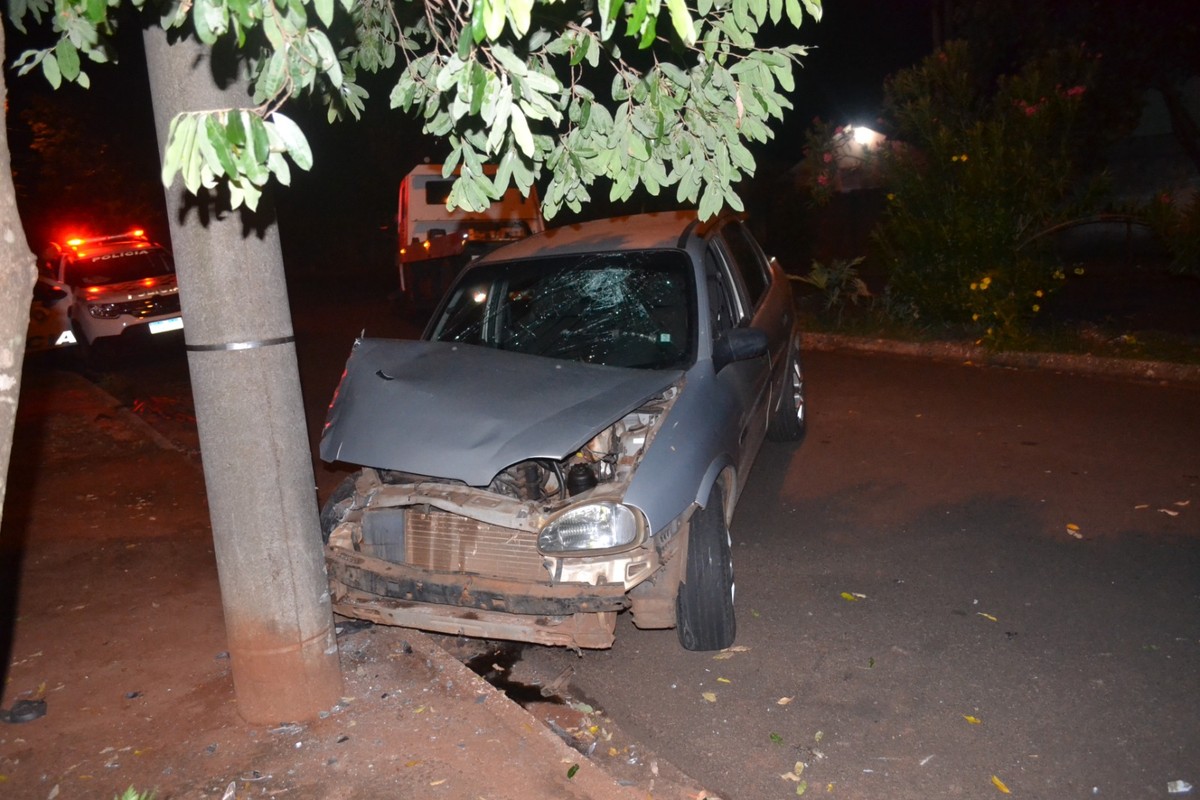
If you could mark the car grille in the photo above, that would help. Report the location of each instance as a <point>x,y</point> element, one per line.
<point>445,542</point>
<point>148,306</point>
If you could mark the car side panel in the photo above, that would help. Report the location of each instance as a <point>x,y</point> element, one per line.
<point>697,441</point>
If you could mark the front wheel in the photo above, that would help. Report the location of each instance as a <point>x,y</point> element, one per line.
<point>704,605</point>
<point>790,420</point>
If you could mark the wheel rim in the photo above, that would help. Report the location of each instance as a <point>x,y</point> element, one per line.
<point>798,391</point>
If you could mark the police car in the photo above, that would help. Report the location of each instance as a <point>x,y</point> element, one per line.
<point>103,288</point>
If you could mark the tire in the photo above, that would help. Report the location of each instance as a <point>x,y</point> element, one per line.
<point>335,508</point>
<point>704,606</point>
<point>790,420</point>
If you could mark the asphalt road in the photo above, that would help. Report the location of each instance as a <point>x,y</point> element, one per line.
<point>918,616</point>
<point>984,640</point>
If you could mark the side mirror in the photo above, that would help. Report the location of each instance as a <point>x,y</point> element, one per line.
<point>738,344</point>
<point>47,295</point>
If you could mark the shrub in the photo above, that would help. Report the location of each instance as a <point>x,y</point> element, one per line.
<point>981,171</point>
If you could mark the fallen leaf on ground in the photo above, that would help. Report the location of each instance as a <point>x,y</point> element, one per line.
<point>972,720</point>
<point>987,616</point>
<point>1183,503</point>
<point>999,784</point>
<point>571,772</point>
<point>710,696</point>
<point>802,787</point>
<point>438,782</point>
<point>724,680</point>
<point>728,652</point>
<point>776,738</point>
<point>1140,506</point>
<point>1073,530</point>
<point>1169,512</point>
<point>852,597</point>
<point>783,701</point>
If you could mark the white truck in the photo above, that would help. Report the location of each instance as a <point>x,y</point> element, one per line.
<point>435,243</point>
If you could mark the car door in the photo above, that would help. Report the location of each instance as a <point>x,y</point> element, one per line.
<point>748,381</point>
<point>49,325</point>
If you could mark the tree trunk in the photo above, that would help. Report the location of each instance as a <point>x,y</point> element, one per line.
<point>17,276</point>
<point>245,382</point>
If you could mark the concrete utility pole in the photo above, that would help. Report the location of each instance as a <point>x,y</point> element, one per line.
<point>245,382</point>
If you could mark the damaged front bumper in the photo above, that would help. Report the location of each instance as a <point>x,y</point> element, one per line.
<point>462,561</point>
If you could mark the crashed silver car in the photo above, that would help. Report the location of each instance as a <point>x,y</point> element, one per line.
<point>569,438</point>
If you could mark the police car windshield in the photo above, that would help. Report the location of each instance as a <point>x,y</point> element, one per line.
<point>101,269</point>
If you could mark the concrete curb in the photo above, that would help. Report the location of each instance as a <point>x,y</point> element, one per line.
<point>1118,368</point>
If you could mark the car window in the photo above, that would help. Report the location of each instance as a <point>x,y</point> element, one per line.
<point>747,260</point>
<point>100,269</point>
<point>722,294</point>
<point>627,309</point>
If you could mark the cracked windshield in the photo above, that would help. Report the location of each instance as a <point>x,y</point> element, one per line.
<point>616,309</point>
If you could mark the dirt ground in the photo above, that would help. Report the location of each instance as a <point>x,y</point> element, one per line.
<point>110,614</point>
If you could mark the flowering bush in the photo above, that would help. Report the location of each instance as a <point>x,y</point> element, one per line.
<point>983,170</point>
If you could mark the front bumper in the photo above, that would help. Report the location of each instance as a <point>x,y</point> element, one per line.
<point>462,561</point>
<point>568,615</point>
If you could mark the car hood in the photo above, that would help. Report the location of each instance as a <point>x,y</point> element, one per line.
<point>466,412</point>
<point>132,290</point>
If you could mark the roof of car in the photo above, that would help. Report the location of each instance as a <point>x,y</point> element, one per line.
<point>640,232</point>
<point>104,244</point>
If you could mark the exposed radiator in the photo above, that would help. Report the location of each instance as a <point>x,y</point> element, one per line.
<point>436,540</point>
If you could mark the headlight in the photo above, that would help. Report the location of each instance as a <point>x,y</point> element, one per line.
<point>105,310</point>
<point>596,526</point>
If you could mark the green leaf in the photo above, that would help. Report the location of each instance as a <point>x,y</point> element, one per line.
<point>278,165</point>
<point>795,15</point>
<point>294,140</point>
<point>477,29</point>
<point>324,11</point>
<point>215,146</point>
<point>329,62</point>
<point>259,137</point>
<point>182,128</point>
<point>636,18</point>
<point>649,33</point>
<point>493,18</point>
<point>520,131</point>
<point>519,12</point>
<point>235,131</point>
<point>68,59</point>
<point>509,60</point>
<point>51,71</point>
<point>681,19</point>
<point>675,74</point>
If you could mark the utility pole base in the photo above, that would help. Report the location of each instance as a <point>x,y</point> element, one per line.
<point>276,681</point>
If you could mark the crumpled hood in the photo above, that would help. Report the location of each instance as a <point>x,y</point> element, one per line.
<point>466,412</point>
